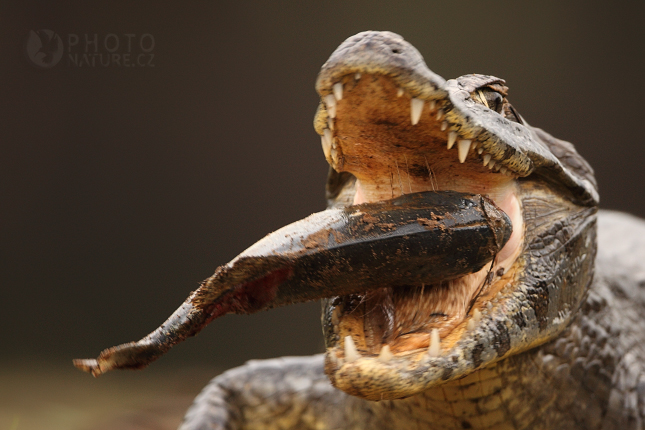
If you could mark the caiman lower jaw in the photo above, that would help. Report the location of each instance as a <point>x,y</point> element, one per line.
<point>396,144</point>
<point>398,341</point>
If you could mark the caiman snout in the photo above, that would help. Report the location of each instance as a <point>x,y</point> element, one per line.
<point>374,52</point>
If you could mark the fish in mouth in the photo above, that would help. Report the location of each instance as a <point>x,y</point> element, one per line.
<point>424,257</point>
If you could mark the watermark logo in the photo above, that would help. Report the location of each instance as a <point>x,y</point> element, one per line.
<point>44,48</point>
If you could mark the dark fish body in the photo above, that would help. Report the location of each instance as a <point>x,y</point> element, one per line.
<point>432,236</point>
<point>417,238</point>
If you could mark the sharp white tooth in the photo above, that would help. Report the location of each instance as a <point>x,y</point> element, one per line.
<point>452,138</point>
<point>338,91</point>
<point>385,355</point>
<point>477,315</point>
<point>444,126</point>
<point>399,92</point>
<point>480,151</point>
<point>491,164</point>
<point>351,353</point>
<point>329,137</point>
<point>487,158</point>
<point>435,348</point>
<point>330,123</point>
<point>326,143</point>
<point>330,102</point>
<point>503,170</point>
<point>439,114</point>
<point>463,146</point>
<point>416,107</point>
<point>433,105</point>
<point>357,76</point>
<point>471,324</point>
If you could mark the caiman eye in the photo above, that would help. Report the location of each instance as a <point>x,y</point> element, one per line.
<point>491,99</point>
<point>497,102</point>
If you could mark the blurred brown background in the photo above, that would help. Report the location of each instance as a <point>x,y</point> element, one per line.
<point>122,187</point>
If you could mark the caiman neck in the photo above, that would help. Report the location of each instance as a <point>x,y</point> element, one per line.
<point>492,397</point>
<point>547,388</point>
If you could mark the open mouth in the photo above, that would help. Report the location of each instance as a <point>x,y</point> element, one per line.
<point>395,143</point>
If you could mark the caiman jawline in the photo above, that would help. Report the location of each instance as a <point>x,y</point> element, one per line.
<point>397,144</point>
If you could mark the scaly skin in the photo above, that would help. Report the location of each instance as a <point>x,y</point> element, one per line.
<point>536,342</point>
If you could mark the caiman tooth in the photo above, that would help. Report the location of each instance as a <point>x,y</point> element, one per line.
<point>439,114</point>
<point>330,102</point>
<point>338,91</point>
<point>444,126</point>
<point>491,164</point>
<point>452,138</point>
<point>503,170</point>
<point>471,324</point>
<point>487,158</point>
<point>432,105</point>
<point>357,76</point>
<point>477,315</point>
<point>463,146</point>
<point>385,355</point>
<point>399,92</point>
<point>480,151</point>
<point>435,343</point>
<point>329,137</point>
<point>416,107</point>
<point>326,143</point>
<point>351,353</point>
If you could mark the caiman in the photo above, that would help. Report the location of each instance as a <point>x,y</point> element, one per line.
<point>468,279</point>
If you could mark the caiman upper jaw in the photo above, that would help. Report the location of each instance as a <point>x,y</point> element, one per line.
<point>385,53</point>
<point>509,145</point>
<point>386,57</point>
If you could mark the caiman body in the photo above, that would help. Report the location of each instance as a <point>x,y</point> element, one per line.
<point>553,347</point>
<point>527,337</point>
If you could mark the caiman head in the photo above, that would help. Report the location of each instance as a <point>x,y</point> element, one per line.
<point>389,126</point>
